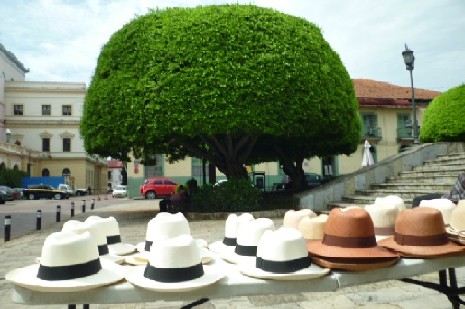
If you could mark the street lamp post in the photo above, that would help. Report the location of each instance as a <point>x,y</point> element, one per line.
<point>409,59</point>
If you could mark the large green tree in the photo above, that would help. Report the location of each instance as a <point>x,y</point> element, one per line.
<point>443,119</point>
<point>216,82</point>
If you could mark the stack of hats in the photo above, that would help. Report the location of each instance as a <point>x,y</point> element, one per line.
<point>293,217</point>
<point>69,262</point>
<point>420,233</point>
<point>165,226</point>
<point>384,213</point>
<point>175,266</point>
<point>456,229</point>
<point>110,228</point>
<point>349,243</point>
<point>231,227</point>
<point>281,255</point>
<point>98,234</point>
<point>248,236</point>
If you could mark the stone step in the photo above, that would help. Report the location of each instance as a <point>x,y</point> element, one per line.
<point>431,173</point>
<point>440,167</point>
<point>447,158</point>
<point>413,186</point>
<point>404,194</point>
<point>367,199</point>
<point>426,179</point>
<point>408,204</point>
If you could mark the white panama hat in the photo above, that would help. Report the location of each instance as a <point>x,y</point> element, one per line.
<point>175,267</point>
<point>391,200</point>
<point>445,206</point>
<point>110,227</point>
<point>282,255</point>
<point>165,226</point>
<point>69,263</point>
<point>230,233</point>
<point>248,236</point>
<point>97,234</point>
<point>384,217</point>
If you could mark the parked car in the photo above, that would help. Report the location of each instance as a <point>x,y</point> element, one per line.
<point>157,186</point>
<point>313,180</point>
<point>119,191</point>
<point>35,192</point>
<point>18,193</point>
<point>8,193</point>
<point>66,188</point>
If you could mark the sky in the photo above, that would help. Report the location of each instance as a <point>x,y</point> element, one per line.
<point>60,40</point>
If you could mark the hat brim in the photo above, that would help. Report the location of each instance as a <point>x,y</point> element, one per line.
<point>121,248</point>
<point>140,247</point>
<point>136,277</point>
<point>369,264</point>
<point>112,258</point>
<point>318,248</point>
<point>219,247</point>
<point>248,268</point>
<point>449,249</point>
<point>27,277</point>
<point>143,258</point>
<point>232,257</point>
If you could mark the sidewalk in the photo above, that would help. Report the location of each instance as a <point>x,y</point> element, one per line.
<point>133,217</point>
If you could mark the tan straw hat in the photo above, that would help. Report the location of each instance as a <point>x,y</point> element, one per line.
<point>292,217</point>
<point>384,217</point>
<point>313,228</point>
<point>456,229</point>
<point>420,232</point>
<point>349,242</point>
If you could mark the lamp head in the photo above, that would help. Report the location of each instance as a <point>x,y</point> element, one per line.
<point>408,58</point>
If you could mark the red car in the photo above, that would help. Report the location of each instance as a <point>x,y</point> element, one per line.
<point>157,186</point>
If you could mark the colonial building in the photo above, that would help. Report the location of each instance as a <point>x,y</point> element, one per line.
<point>39,127</point>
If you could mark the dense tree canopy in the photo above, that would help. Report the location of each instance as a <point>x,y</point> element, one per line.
<point>443,119</point>
<point>219,82</point>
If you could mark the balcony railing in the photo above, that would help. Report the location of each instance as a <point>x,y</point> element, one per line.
<point>371,132</point>
<point>404,133</point>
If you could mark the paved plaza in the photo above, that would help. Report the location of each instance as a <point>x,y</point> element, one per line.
<point>133,217</point>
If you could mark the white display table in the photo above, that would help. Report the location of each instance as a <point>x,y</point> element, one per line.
<point>236,284</point>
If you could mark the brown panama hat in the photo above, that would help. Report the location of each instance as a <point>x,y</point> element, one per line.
<point>420,232</point>
<point>349,234</point>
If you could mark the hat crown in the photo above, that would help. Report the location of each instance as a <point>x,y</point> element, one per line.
<point>355,222</point>
<point>79,227</point>
<point>313,228</point>
<point>283,244</point>
<point>250,232</point>
<point>420,221</point>
<point>233,223</point>
<point>109,225</point>
<point>457,218</point>
<point>383,215</point>
<point>166,225</point>
<point>177,252</point>
<point>445,206</point>
<point>292,217</point>
<point>68,248</point>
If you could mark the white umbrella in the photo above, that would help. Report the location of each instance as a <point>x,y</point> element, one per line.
<point>367,158</point>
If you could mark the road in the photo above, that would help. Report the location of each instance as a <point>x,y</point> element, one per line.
<point>24,213</point>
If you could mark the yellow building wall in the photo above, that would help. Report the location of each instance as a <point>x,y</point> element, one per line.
<point>182,168</point>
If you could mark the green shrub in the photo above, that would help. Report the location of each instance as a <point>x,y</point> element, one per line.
<point>234,195</point>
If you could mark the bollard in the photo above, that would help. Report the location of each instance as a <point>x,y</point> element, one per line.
<point>58,213</point>
<point>83,205</point>
<point>7,227</point>
<point>39,220</point>
<point>92,205</point>
<point>72,209</point>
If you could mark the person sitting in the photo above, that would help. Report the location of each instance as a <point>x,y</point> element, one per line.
<point>179,199</point>
<point>455,194</point>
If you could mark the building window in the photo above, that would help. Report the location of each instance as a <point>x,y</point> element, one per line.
<point>45,172</point>
<point>66,145</point>
<point>109,176</point>
<point>46,110</point>
<point>66,172</point>
<point>45,144</point>
<point>18,110</point>
<point>197,167</point>
<point>66,110</point>
<point>370,125</point>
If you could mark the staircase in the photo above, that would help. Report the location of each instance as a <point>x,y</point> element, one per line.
<point>434,176</point>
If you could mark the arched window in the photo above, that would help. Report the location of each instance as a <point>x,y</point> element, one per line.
<point>45,172</point>
<point>2,166</point>
<point>16,168</point>
<point>66,172</point>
